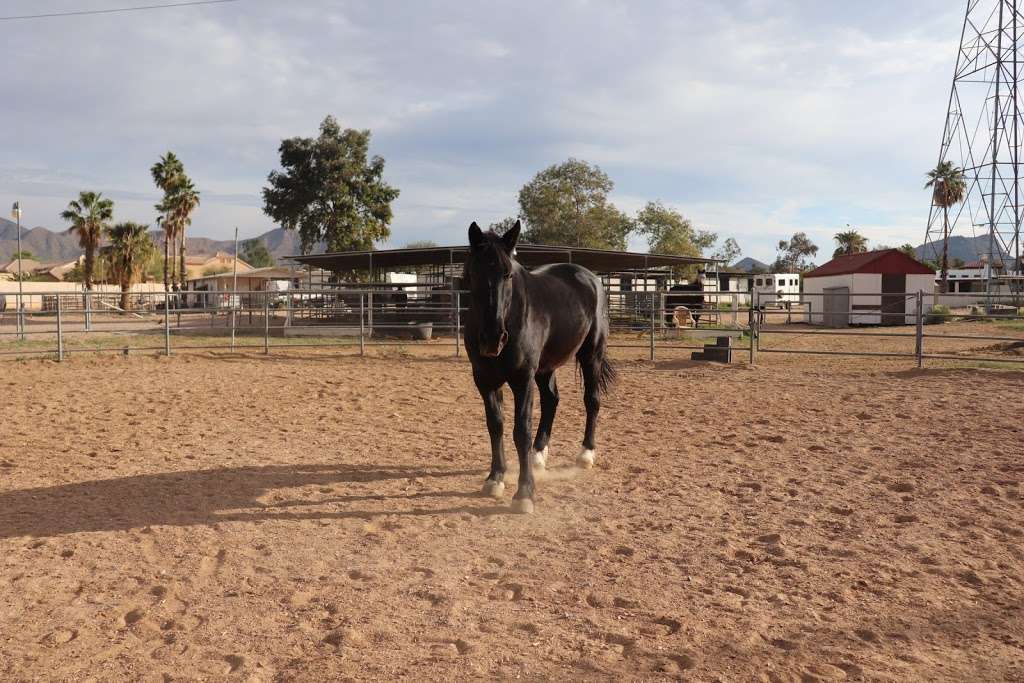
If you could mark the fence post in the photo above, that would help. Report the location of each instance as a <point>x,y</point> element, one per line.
<point>919,346</point>
<point>266,324</point>
<point>231,302</point>
<point>60,331</point>
<point>753,326</point>
<point>88,311</point>
<point>458,320</point>
<point>653,312</point>
<point>167,325</point>
<point>362,314</point>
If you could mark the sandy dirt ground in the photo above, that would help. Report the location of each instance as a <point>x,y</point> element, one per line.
<point>316,516</point>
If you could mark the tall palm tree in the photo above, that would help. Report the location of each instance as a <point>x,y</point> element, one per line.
<point>127,255</point>
<point>89,216</point>
<point>184,200</point>
<point>948,189</point>
<point>850,242</point>
<point>166,174</point>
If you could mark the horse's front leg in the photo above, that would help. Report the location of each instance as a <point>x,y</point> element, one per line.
<point>495,483</point>
<point>523,391</point>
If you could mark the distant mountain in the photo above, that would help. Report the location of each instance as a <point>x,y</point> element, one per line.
<point>47,246</point>
<point>964,248</point>
<point>749,265</point>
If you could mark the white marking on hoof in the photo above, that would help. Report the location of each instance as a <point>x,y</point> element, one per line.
<point>540,459</point>
<point>522,506</point>
<point>585,459</point>
<point>494,489</point>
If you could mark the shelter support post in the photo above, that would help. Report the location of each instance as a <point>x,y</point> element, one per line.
<point>167,324</point>
<point>266,324</point>
<point>654,311</point>
<point>458,320</point>
<point>362,315</point>
<point>60,330</point>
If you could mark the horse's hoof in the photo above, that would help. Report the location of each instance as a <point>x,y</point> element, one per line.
<point>522,506</point>
<point>540,459</point>
<point>585,460</point>
<point>494,489</point>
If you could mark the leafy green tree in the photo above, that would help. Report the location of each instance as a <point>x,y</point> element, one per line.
<point>729,251</point>
<point>127,256</point>
<point>667,232</point>
<point>504,225</point>
<point>948,187</point>
<point>330,191</point>
<point>89,216</point>
<point>850,242</point>
<point>256,254</point>
<point>23,255</point>
<point>794,254</point>
<point>567,204</point>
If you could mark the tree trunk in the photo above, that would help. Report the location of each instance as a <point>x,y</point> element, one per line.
<point>167,279</point>
<point>89,264</point>
<point>944,277</point>
<point>184,270</point>
<point>126,287</point>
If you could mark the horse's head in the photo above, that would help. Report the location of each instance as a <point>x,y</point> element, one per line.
<point>489,269</point>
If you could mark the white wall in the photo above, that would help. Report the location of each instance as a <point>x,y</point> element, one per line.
<point>33,292</point>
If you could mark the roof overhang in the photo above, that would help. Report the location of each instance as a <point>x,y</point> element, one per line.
<point>530,255</point>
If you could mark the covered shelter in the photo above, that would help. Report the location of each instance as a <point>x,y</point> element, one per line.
<point>870,288</point>
<point>632,279</point>
<point>448,261</point>
<point>214,291</point>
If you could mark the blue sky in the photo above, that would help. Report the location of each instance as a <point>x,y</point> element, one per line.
<point>755,119</point>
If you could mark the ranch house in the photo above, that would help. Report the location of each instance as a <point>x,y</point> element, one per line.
<point>871,288</point>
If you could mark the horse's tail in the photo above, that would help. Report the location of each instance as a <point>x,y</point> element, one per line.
<point>605,373</point>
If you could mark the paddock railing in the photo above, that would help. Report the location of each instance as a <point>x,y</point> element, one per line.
<point>900,325</point>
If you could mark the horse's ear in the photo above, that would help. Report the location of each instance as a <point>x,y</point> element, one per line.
<point>511,238</point>
<point>476,235</point>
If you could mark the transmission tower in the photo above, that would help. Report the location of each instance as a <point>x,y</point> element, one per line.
<point>984,133</point>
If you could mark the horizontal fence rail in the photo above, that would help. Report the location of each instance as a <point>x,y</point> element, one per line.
<point>358,317</point>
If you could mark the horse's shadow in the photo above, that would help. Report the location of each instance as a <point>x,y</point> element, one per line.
<point>206,497</point>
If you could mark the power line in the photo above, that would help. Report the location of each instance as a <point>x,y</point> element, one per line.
<point>79,13</point>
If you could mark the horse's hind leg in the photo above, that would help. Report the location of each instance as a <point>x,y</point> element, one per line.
<point>548,389</point>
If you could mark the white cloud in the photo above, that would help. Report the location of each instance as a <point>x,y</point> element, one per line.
<point>755,119</point>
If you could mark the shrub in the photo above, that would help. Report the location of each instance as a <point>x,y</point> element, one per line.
<point>937,315</point>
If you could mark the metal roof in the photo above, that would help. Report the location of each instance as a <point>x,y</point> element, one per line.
<point>530,255</point>
<point>886,261</point>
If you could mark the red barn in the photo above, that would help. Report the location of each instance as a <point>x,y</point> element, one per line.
<point>872,288</point>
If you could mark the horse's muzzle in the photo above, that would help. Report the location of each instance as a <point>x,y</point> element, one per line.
<point>492,350</point>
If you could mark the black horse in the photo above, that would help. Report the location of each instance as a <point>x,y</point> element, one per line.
<point>521,326</point>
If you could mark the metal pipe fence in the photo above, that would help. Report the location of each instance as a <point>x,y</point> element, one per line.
<point>358,318</point>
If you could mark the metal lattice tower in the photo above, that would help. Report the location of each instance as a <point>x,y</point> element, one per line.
<point>984,132</point>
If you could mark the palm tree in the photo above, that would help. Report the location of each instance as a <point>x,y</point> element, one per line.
<point>850,242</point>
<point>948,190</point>
<point>184,200</point>
<point>166,174</point>
<point>127,255</point>
<point>89,215</point>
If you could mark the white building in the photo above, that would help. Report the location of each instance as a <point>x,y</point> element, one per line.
<point>872,288</point>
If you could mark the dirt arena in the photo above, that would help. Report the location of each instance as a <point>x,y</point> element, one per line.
<point>316,516</point>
